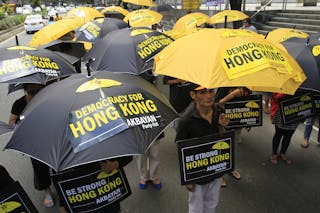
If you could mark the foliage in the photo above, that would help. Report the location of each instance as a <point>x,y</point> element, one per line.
<point>11,21</point>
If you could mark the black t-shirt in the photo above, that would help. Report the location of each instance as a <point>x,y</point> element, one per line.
<point>5,178</point>
<point>18,107</point>
<point>179,94</point>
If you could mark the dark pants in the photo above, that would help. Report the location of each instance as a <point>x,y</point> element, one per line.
<point>42,179</point>
<point>5,178</point>
<point>283,134</point>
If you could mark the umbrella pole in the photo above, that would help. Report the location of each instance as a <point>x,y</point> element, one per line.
<point>17,41</point>
<point>225,21</point>
<point>266,35</point>
<point>88,66</point>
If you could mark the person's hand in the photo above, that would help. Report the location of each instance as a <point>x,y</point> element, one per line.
<point>223,120</point>
<point>190,187</point>
<point>108,166</point>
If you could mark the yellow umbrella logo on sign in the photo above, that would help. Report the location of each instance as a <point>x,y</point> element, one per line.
<point>316,50</point>
<point>221,145</point>
<point>252,104</point>
<point>97,84</point>
<point>9,206</point>
<point>305,98</point>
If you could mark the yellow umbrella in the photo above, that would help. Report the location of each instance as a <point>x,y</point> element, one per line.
<point>190,21</point>
<point>282,34</point>
<point>230,58</point>
<point>176,34</point>
<point>142,18</point>
<point>232,15</point>
<point>115,9</point>
<point>54,31</point>
<point>149,3</point>
<point>85,13</point>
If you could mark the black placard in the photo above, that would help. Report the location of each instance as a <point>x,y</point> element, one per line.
<point>316,98</point>
<point>205,158</point>
<point>296,108</point>
<point>244,111</point>
<point>91,192</point>
<point>13,198</point>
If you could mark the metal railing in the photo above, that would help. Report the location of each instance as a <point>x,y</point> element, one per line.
<point>262,8</point>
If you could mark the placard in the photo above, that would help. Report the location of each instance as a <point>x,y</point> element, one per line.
<point>296,108</point>
<point>244,111</point>
<point>13,198</point>
<point>316,99</point>
<point>190,4</point>
<point>206,158</point>
<point>91,192</point>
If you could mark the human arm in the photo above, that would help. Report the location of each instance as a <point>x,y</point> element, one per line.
<point>170,80</point>
<point>235,93</point>
<point>12,119</point>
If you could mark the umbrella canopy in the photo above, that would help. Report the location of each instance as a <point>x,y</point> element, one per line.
<point>227,16</point>
<point>142,18</point>
<point>307,54</point>
<point>85,14</point>
<point>282,34</point>
<point>72,48</point>
<point>230,58</point>
<point>176,34</point>
<point>129,50</point>
<point>29,65</point>
<point>54,31</point>
<point>104,116</point>
<point>190,21</point>
<point>149,3</point>
<point>95,30</point>
<point>162,8</point>
<point>115,9</point>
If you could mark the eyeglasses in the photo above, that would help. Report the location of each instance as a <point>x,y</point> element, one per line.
<point>204,91</point>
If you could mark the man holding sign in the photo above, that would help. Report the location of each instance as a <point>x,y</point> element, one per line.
<point>205,119</point>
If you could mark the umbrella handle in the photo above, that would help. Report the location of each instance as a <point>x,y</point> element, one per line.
<point>88,65</point>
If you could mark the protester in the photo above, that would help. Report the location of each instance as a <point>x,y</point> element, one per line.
<point>205,119</point>
<point>248,26</point>
<point>42,179</point>
<point>106,166</point>
<point>266,105</point>
<point>283,132</point>
<point>5,178</point>
<point>51,20</point>
<point>179,93</point>
<point>308,129</point>
<point>57,17</point>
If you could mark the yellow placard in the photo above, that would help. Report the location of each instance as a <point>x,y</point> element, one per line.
<point>190,4</point>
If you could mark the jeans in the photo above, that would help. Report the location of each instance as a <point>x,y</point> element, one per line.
<point>308,128</point>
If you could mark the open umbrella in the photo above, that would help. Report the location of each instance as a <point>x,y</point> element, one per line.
<point>29,65</point>
<point>142,18</point>
<point>129,50</point>
<point>86,119</point>
<point>162,8</point>
<point>230,58</point>
<point>85,14</point>
<point>307,54</point>
<point>227,16</point>
<point>282,34</point>
<point>54,31</point>
<point>121,10</point>
<point>190,21</point>
<point>95,30</point>
<point>149,3</point>
<point>5,128</point>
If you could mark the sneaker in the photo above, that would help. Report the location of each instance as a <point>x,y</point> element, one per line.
<point>48,201</point>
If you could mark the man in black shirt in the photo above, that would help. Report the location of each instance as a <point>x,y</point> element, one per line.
<point>204,119</point>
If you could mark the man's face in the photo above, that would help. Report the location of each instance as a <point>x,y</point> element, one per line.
<point>203,98</point>
<point>246,23</point>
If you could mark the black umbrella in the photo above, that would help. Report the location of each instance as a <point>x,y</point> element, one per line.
<point>81,120</point>
<point>28,65</point>
<point>72,48</point>
<point>94,30</point>
<point>307,54</point>
<point>129,50</point>
<point>162,8</point>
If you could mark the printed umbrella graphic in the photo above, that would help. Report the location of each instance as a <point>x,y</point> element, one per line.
<point>95,30</point>
<point>92,118</point>
<point>190,22</point>
<point>21,64</point>
<point>230,58</point>
<point>307,54</point>
<point>221,145</point>
<point>142,18</point>
<point>129,50</point>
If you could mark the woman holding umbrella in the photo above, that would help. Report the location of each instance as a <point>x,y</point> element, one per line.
<point>42,179</point>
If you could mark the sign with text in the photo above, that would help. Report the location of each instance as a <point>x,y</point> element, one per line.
<point>316,99</point>
<point>91,192</point>
<point>206,158</point>
<point>245,111</point>
<point>13,198</point>
<point>296,108</point>
<point>190,4</point>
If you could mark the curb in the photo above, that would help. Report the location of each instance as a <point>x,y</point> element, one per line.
<point>5,34</point>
